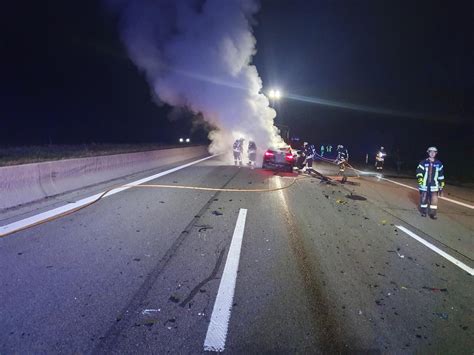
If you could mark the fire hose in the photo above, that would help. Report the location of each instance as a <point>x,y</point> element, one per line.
<point>102,195</point>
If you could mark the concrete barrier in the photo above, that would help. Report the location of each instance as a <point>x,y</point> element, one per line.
<point>21,184</point>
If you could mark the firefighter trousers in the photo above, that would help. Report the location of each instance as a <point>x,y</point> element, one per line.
<point>429,202</point>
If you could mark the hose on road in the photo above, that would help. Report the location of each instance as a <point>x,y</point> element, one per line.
<point>104,194</point>
<point>334,163</point>
<point>216,189</point>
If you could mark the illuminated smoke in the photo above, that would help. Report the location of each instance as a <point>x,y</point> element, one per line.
<point>197,54</point>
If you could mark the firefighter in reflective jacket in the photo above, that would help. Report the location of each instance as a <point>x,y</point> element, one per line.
<point>238,148</point>
<point>430,175</point>
<point>252,152</point>
<point>309,152</point>
<point>380,159</point>
<point>342,158</point>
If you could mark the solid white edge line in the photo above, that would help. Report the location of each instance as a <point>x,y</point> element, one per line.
<point>219,324</point>
<point>8,228</point>
<point>399,183</point>
<point>457,202</point>
<point>414,188</point>
<point>441,197</point>
<point>445,255</point>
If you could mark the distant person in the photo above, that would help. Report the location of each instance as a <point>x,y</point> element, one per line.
<point>430,175</point>
<point>322,150</point>
<point>380,159</point>
<point>329,149</point>
<point>252,152</point>
<point>309,152</point>
<point>238,149</point>
<point>300,157</point>
<point>342,158</point>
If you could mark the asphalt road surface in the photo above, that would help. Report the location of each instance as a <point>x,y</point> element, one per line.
<point>320,267</point>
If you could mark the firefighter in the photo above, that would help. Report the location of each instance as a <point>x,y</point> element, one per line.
<point>238,148</point>
<point>380,159</point>
<point>252,152</point>
<point>309,152</point>
<point>430,175</point>
<point>300,157</point>
<point>342,158</point>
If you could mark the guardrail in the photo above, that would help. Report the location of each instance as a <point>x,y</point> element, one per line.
<point>22,184</point>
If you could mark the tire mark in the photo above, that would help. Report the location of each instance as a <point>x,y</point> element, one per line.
<point>110,339</point>
<point>332,335</point>
<point>212,276</point>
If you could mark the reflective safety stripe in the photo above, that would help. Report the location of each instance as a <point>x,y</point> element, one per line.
<point>421,167</point>
<point>434,207</point>
<point>425,178</point>
<point>436,176</point>
<point>441,178</point>
<point>419,175</point>
<point>424,206</point>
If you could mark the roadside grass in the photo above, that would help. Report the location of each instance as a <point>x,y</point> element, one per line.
<point>35,154</point>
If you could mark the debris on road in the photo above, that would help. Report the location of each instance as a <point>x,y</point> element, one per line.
<point>147,312</point>
<point>174,299</point>
<point>435,289</point>
<point>401,256</point>
<point>342,202</point>
<point>356,197</point>
<point>444,316</point>
<point>217,213</point>
<point>203,227</point>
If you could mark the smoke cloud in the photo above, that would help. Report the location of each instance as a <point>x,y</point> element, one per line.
<point>197,54</point>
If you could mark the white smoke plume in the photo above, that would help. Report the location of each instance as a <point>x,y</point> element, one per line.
<point>197,54</point>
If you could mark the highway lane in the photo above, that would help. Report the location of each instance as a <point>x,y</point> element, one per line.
<point>319,271</point>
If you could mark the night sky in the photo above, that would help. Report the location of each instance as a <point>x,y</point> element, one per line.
<point>66,78</point>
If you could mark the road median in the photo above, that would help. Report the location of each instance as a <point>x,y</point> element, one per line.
<point>26,183</point>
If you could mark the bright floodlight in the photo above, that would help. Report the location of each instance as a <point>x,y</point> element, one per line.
<point>188,140</point>
<point>274,94</point>
<point>181,140</point>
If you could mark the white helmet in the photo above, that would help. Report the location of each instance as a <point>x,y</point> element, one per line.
<point>432,149</point>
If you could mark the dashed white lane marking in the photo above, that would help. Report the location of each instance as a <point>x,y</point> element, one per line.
<point>455,261</point>
<point>70,206</point>
<point>218,327</point>
<point>414,188</point>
